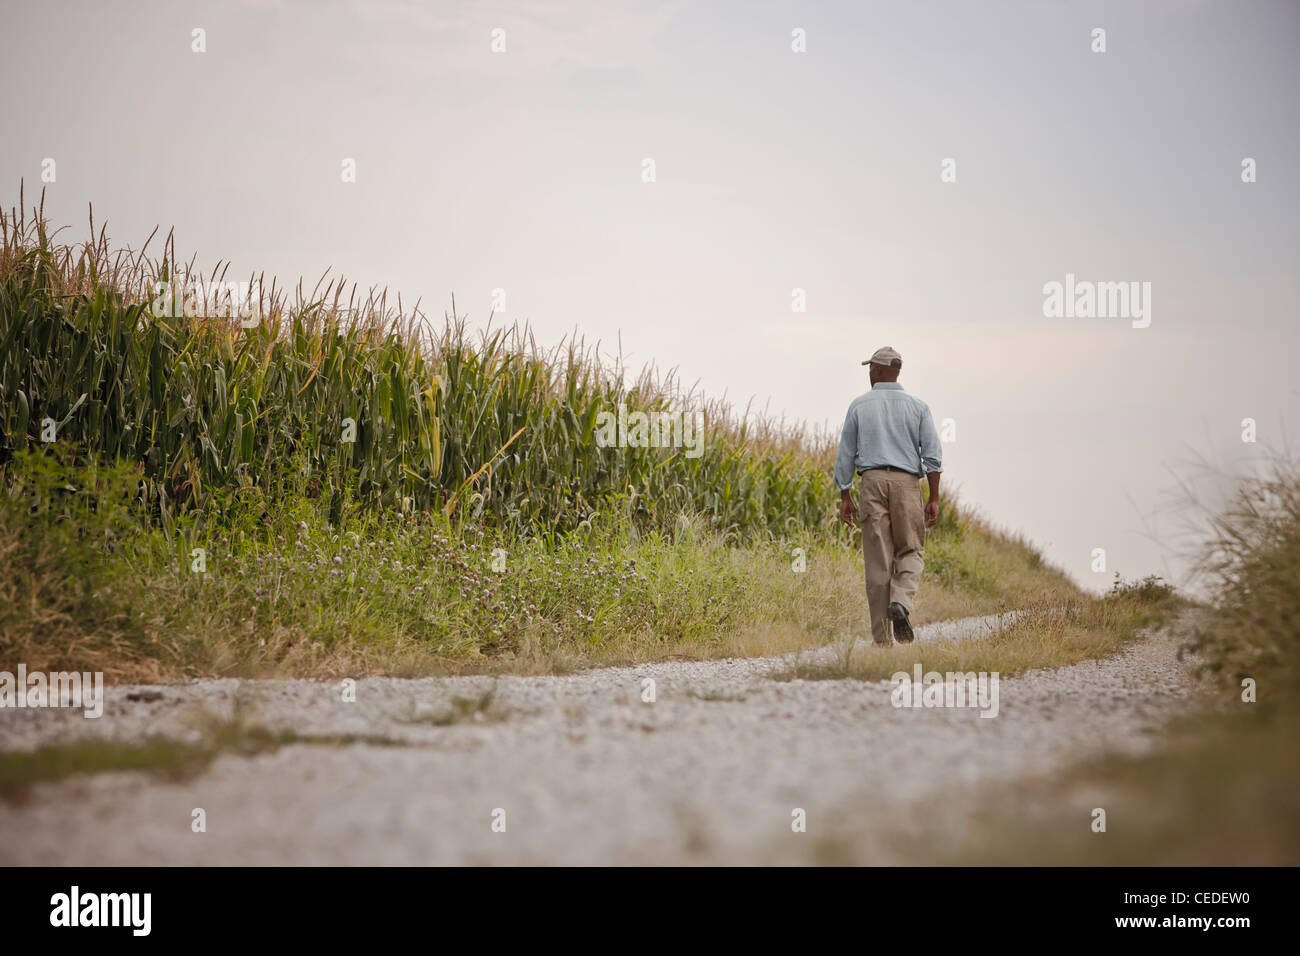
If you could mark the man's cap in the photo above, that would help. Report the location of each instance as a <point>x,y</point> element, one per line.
<point>885,356</point>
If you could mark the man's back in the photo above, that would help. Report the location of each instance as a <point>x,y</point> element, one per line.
<point>887,427</point>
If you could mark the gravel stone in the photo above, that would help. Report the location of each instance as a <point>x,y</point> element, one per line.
<point>586,772</point>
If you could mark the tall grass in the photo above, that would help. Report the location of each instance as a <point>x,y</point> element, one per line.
<point>492,427</point>
<point>180,430</point>
<point>1253,565</point>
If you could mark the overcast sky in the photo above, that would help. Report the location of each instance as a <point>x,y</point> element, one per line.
<point>774,170</point>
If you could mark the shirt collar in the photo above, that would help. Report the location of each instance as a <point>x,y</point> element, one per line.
<point>887,385</point>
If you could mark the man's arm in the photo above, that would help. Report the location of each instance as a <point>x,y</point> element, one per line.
<point>844,468</point>
<point>932,503</point>
<point>932,464</point>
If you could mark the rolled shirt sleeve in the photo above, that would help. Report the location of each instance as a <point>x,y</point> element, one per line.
<point>931,449</point>
<point>848,451</point>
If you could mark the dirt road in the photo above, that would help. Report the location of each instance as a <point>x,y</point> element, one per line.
<point>572,769</point>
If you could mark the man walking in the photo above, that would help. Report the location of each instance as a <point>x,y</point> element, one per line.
<point>889,439</point>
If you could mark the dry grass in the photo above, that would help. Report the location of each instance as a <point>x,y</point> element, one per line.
<point>1224,790</point>
<point>1040,636</point>
<point>53,619</point>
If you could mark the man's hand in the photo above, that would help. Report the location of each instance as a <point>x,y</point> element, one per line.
<point>931,512</point>
<point>932,500</point>
<point>848,507</point>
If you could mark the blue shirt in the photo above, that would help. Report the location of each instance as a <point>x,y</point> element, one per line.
<point>886,426</point>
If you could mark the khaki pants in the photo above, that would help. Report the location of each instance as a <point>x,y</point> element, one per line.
<point>893,543</point>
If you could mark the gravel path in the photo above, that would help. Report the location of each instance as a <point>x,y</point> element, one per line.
<point>584,769</point>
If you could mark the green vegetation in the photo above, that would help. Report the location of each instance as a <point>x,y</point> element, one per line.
<point>209,410</point>
<point>88,585</point>
<point>200,512</point>
<point>479,708</point>
<point>166,757</point>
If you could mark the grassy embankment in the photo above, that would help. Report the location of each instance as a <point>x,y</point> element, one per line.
<point>467,522</point>
<point>1055,632</point>
<point>1224,787</point>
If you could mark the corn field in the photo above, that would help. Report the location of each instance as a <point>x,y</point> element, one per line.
<point>361,403</point>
